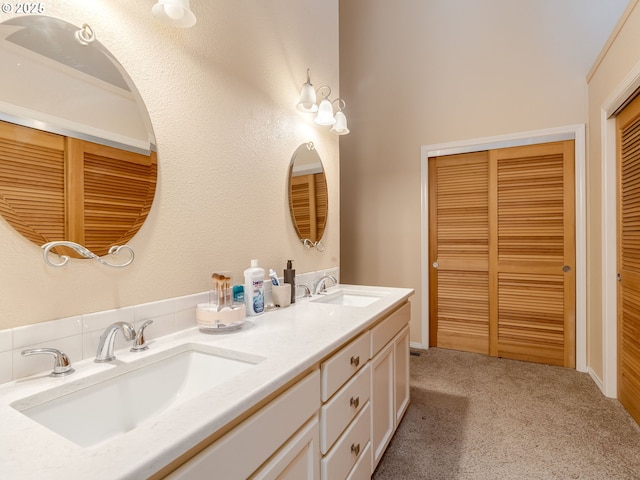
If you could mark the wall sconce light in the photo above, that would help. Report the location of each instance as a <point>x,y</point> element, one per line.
<point>307,100</point>
<point>174,12</point>
<point>325,109</point>
<point>340,125</point>
<point>307,103</point>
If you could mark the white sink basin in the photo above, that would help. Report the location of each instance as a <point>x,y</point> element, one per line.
<point>348,297</point>
<point>98,409</point>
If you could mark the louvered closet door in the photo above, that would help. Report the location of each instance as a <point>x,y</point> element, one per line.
<point>502,253</point>
<point>114,197</point>
<point>32,182</point>
<point>628,123</point>
<point>308,204</point>
<point>459,252</point>
<point>532,255</point>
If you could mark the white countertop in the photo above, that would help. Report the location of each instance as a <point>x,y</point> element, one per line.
<point>291,340</point>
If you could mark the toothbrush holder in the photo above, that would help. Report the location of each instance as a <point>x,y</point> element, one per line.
<point>281,295</point>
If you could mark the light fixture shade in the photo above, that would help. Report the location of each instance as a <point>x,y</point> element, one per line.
<point>340,127</point>
<point>307,100</point>
<point>176,13</point>
<point>325,113</point>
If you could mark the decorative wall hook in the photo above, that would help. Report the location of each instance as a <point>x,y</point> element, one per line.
<point>85,253</point>
<point>308,243</point>
<point>85,35</point>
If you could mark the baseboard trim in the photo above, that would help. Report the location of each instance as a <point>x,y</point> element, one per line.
<point>598,381</point>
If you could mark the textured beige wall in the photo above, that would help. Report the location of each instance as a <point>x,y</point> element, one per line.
<point>418,73</point>
<point>221,98</point>
<point>619,59</point>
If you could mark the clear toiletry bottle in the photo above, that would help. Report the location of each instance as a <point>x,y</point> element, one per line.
<point>290,278</point>
<point>254,289</point>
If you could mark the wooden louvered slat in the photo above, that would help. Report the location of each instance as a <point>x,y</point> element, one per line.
<point>300,195</point>
<point>463,311</point>
<point>42,188</point>
<point>530,317</point>
<point>530,208</point>
<point>118,192</point>
<point>628,125</point>
<point>533,317</point>
<point>308,202</point>
<point>459,302</point>
<point>322,203</point>
<point>32,182</point>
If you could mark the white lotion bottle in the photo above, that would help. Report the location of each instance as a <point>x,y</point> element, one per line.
<point>254,289</point>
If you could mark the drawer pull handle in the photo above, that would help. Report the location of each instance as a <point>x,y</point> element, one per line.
<point>355,361</point>
<point>354,402</point>
<point>355,449</point>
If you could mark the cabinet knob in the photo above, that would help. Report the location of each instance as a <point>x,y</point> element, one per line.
<point>354,402</point>
<point>355,361</point>
<point>355,449</point>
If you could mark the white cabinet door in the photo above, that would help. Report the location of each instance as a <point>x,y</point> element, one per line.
<point>240,452</point>
<point>402,374</point>
<point>299,459</point>
<point>382,402</point>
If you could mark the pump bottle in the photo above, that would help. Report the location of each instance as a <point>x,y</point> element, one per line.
<point>290,278</point>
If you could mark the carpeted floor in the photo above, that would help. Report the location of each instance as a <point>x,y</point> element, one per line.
<point>477,417</point>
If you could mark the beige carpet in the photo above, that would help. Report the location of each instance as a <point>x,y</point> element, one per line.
<point>478,417</point>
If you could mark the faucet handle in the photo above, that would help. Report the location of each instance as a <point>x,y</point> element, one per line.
<point>139,344</point>
<point>61,363</point>
<point>307,290</point>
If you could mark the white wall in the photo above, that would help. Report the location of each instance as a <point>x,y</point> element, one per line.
<point>221,98</point>
<point>615,76</point>
<point>420,73</point>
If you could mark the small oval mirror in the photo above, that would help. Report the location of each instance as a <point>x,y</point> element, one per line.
<point>308,196</point>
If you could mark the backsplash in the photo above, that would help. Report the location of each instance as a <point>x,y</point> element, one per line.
<point>78,336</point>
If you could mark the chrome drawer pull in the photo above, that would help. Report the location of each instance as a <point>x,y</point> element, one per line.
<point>355,449</point>
<point>355,361</point>
<point>354,402</point>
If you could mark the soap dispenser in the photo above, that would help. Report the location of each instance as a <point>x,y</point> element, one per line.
<point>290,278</point>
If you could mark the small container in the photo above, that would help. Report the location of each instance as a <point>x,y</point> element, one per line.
<point>238,294</point>
<point>281,295</point>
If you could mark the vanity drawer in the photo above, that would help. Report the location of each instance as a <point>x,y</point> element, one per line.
<point>337,464</point>
<point>342,365</point>
<point>336,414</point>
<point>382,333</point>
<point>362,468</point>
<point>242,450</point>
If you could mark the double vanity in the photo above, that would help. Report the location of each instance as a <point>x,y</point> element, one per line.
<point>313,391</point>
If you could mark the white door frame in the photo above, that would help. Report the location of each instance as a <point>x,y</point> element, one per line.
<point>570,132</point>
<point>626,88</point>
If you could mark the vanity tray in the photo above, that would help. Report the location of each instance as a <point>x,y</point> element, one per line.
<point>228,319</point>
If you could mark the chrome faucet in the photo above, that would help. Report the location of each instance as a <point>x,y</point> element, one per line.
<point>139,344</point>
<point>108,337</point>
<point>61,363</point>
<point>321,287</point>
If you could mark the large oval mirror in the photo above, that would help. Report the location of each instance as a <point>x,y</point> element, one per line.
<point>308,196</point>
<point>77,150</point>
